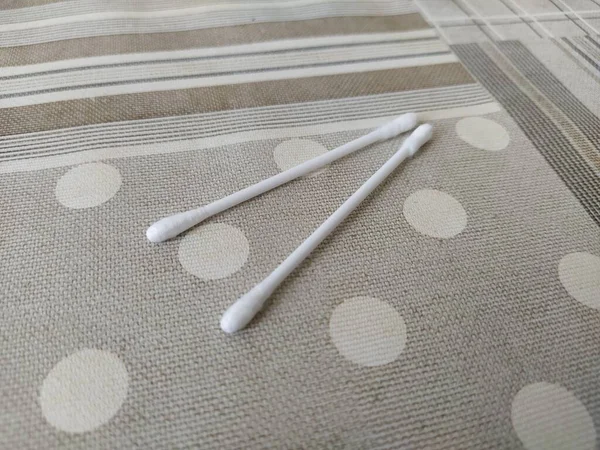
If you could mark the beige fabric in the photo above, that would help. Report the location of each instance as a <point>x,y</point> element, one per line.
<point>457,307</point>
<point>220,98</point>
<point>15,4</point>
<point>210,37</point>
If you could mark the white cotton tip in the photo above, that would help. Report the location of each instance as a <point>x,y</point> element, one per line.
<point>171,226</point>
<point>397,126</point>
<point>243,310</point>
<point>417,138</point>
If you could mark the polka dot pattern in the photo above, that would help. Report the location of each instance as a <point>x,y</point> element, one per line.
<point>87,389</point>
<point>482,133</point>
<point>88,185</point>
<point>290,153</point>
<point>435,213</point>
<point>214,251</point>
<point>579,273</point>
<point>367,331</point>
<point>84,391</point>
<point>547,416</point>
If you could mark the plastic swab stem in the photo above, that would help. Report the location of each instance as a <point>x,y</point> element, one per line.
<point>246,307</point>
<point>171,226</point>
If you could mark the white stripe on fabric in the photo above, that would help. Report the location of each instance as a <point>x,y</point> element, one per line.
<point>61,12</point>
<point>78,7</point>
<point>178,84</point>
<point>111,23</point>
<point>228,139</point>
<point>263,114</point>
<point>208,124</point>
<point>258,47</point>
<point>219,66</point>
<point>249,123</point>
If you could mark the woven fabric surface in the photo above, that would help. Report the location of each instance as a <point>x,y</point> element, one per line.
<point>457,307</point>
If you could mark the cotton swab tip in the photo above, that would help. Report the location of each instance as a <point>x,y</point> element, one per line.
<point>171,226</point>
<point>243,310</point>
<point>418,138</point>
<point>397,126</point>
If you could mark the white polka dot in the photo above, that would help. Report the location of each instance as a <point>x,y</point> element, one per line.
<point>435,213</point>
<point>88,185</point>
<point>547,416</point>
<point>214,251</point>
<point>290,153</point>
<point>579,273</point>
<point>367,331</point>
<point>483,133</point>
<point>84,390</point>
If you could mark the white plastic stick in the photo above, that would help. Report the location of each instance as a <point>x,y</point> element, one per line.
<point>171,226</point>
<point>246,307</point>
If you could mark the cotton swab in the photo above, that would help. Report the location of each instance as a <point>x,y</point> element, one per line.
<point>171,226</point>
<point>246,307</point>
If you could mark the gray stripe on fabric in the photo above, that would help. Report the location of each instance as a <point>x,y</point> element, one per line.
<point>566,126</point>
<point>209,37</point>
<point>444,97</point>
<point>591,50</point>
<point>593,41</point>
<point>158,104</point>
<point>239,121</point>
<point>583,182</point>
<point>553,89</point>
<point>225,130</point>
<point>28,10</point>
<point>218,74</point>
<point>164,22</point>
<point>512,9</point>
<point>204,58</point>
<point>581,53</point>
<point>265,112</point>
<point>21,4</point>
